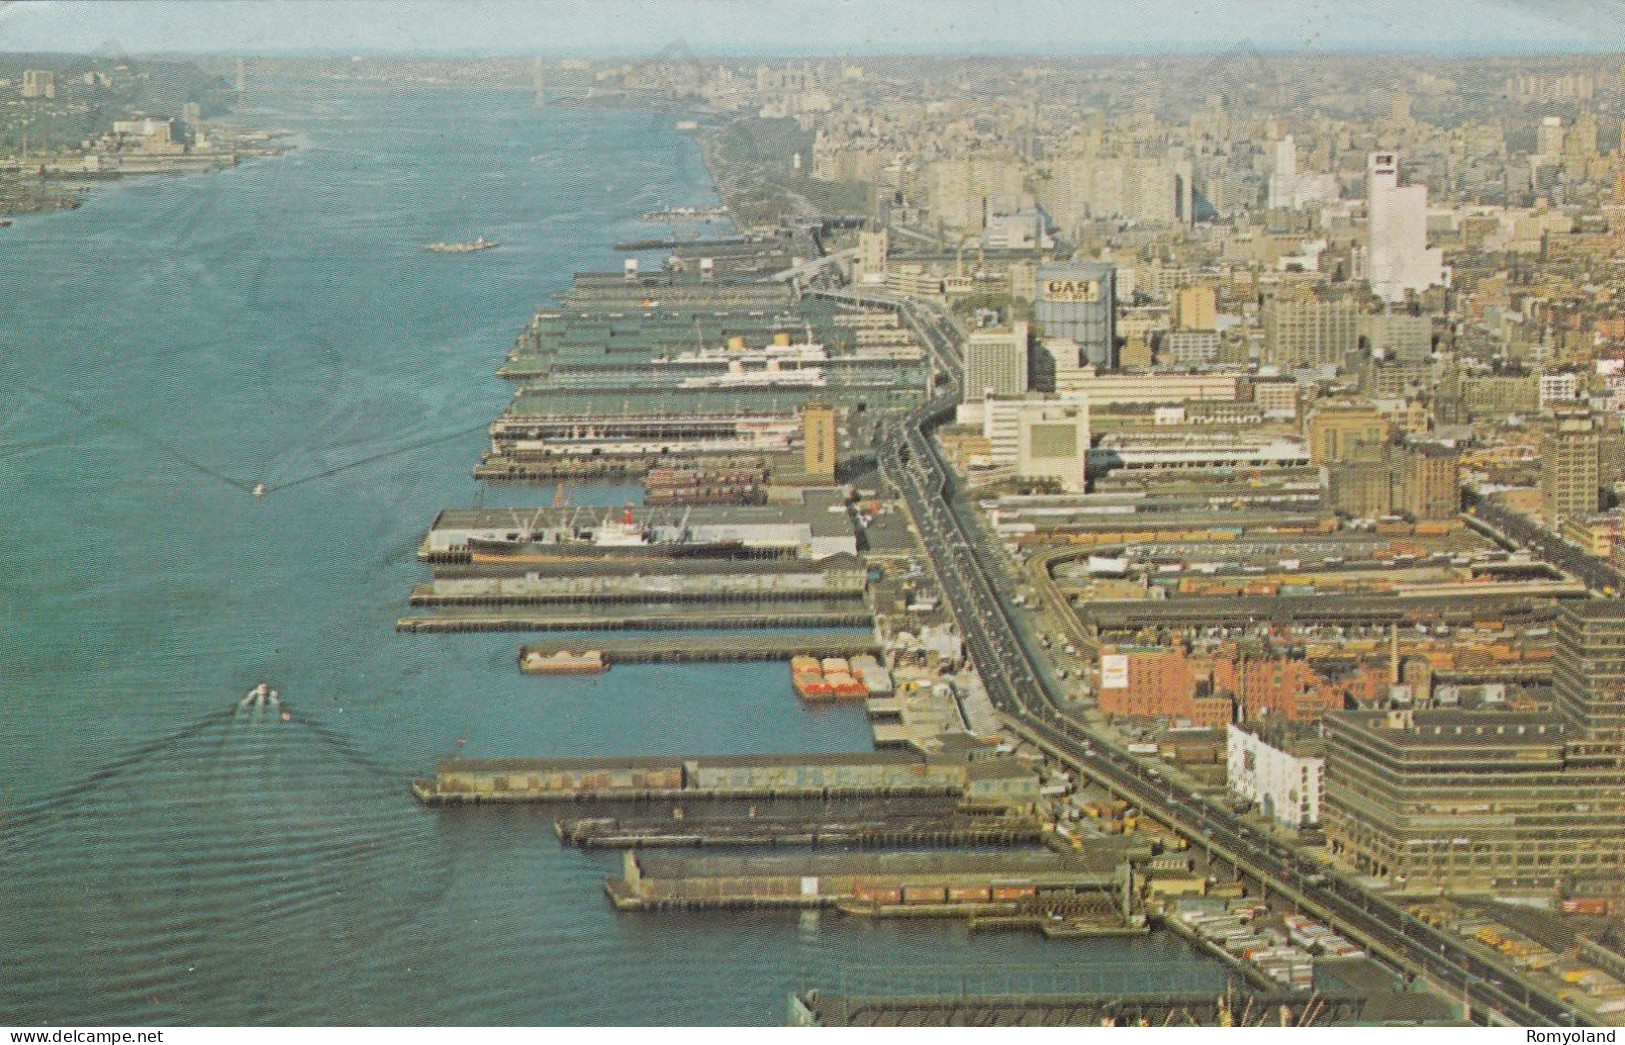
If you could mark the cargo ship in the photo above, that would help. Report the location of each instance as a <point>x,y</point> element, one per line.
<point>564,662</point>
<point>470,247</point>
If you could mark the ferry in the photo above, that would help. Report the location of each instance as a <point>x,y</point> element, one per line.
<point>470,247</point>
<point>261,696</point>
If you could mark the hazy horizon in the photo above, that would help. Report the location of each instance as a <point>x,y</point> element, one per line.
<point>778,28</point>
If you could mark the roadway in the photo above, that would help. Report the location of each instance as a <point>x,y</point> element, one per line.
<point>1598,575</point>
<point>1017,688</point>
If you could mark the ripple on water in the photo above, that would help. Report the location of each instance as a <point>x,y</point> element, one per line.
<point>171,896</point>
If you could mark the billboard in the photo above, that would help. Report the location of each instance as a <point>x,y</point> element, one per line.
<point>1114,671</point>
<point>1072,291</point>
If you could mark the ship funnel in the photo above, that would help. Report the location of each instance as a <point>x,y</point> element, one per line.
<point>626,517</point>
<point>781,339</point>
<point>631,269</point>
<point>736,344</point>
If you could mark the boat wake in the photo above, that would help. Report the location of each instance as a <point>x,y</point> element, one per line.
<point>191,870</point>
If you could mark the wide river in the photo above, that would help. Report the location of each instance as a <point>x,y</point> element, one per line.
<point>178,340</point>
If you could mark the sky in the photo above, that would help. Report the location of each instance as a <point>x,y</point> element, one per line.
<point>643,27</point>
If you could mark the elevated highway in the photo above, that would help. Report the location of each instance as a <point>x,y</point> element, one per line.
<point>1493,993</point>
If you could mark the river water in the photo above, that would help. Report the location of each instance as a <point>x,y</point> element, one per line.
<point>162,860</point>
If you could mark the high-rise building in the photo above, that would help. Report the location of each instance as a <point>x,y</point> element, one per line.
<point>1492,799</point>
<point>1345,432</point>
<point>1310,333</point>
<point>965,193</point>
<point>1196,308</point>
<point>870,265</point>
<point>1588,672</point>
<point>1398,258</point>
<point>818,433</point>
<point>1077,302</point>
<point>39,84</point>
<point>1470,799</point>
<point>1430,482</point>
<point>996,363</point>
<point>1399,336</point>
<point>1284,175</point>
<point>1569,471</point>
<point>1549,139</point>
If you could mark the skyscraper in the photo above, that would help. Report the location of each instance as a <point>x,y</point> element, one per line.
<point>1284,176</point>
<point>1397,229</point>
<point>1569,478</point>
<point>996,363</point>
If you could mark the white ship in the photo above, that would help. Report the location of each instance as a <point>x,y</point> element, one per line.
<point>469,247</point>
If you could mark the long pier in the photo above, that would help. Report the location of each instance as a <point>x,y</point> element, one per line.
<point>685,649</point>
<point>815,1008</point>
<point>875,832</point>
<point>685,619</point>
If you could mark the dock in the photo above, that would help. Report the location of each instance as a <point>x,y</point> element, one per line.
<point>943,831</point>
<point>952,884</point>
<point>815,1008</point>
<point>984,778</point>
<point>678,617</point>
<point>687,649</point>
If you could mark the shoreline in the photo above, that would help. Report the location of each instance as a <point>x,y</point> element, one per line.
<point>41,185</point>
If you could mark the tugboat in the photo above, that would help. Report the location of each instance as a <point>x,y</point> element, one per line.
<point>469,247</point>
<point>261,696</point>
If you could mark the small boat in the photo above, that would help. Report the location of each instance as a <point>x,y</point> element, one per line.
<point>5,223</point>
<point>469,247</point>
<point>261,696</point>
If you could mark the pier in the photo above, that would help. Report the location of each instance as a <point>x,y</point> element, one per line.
<point>643,618</point>
<point>815,1008</point>
<point>939,831</point>
<point>951,884</point>
<point>983,777</point>
<point>686,649</point>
